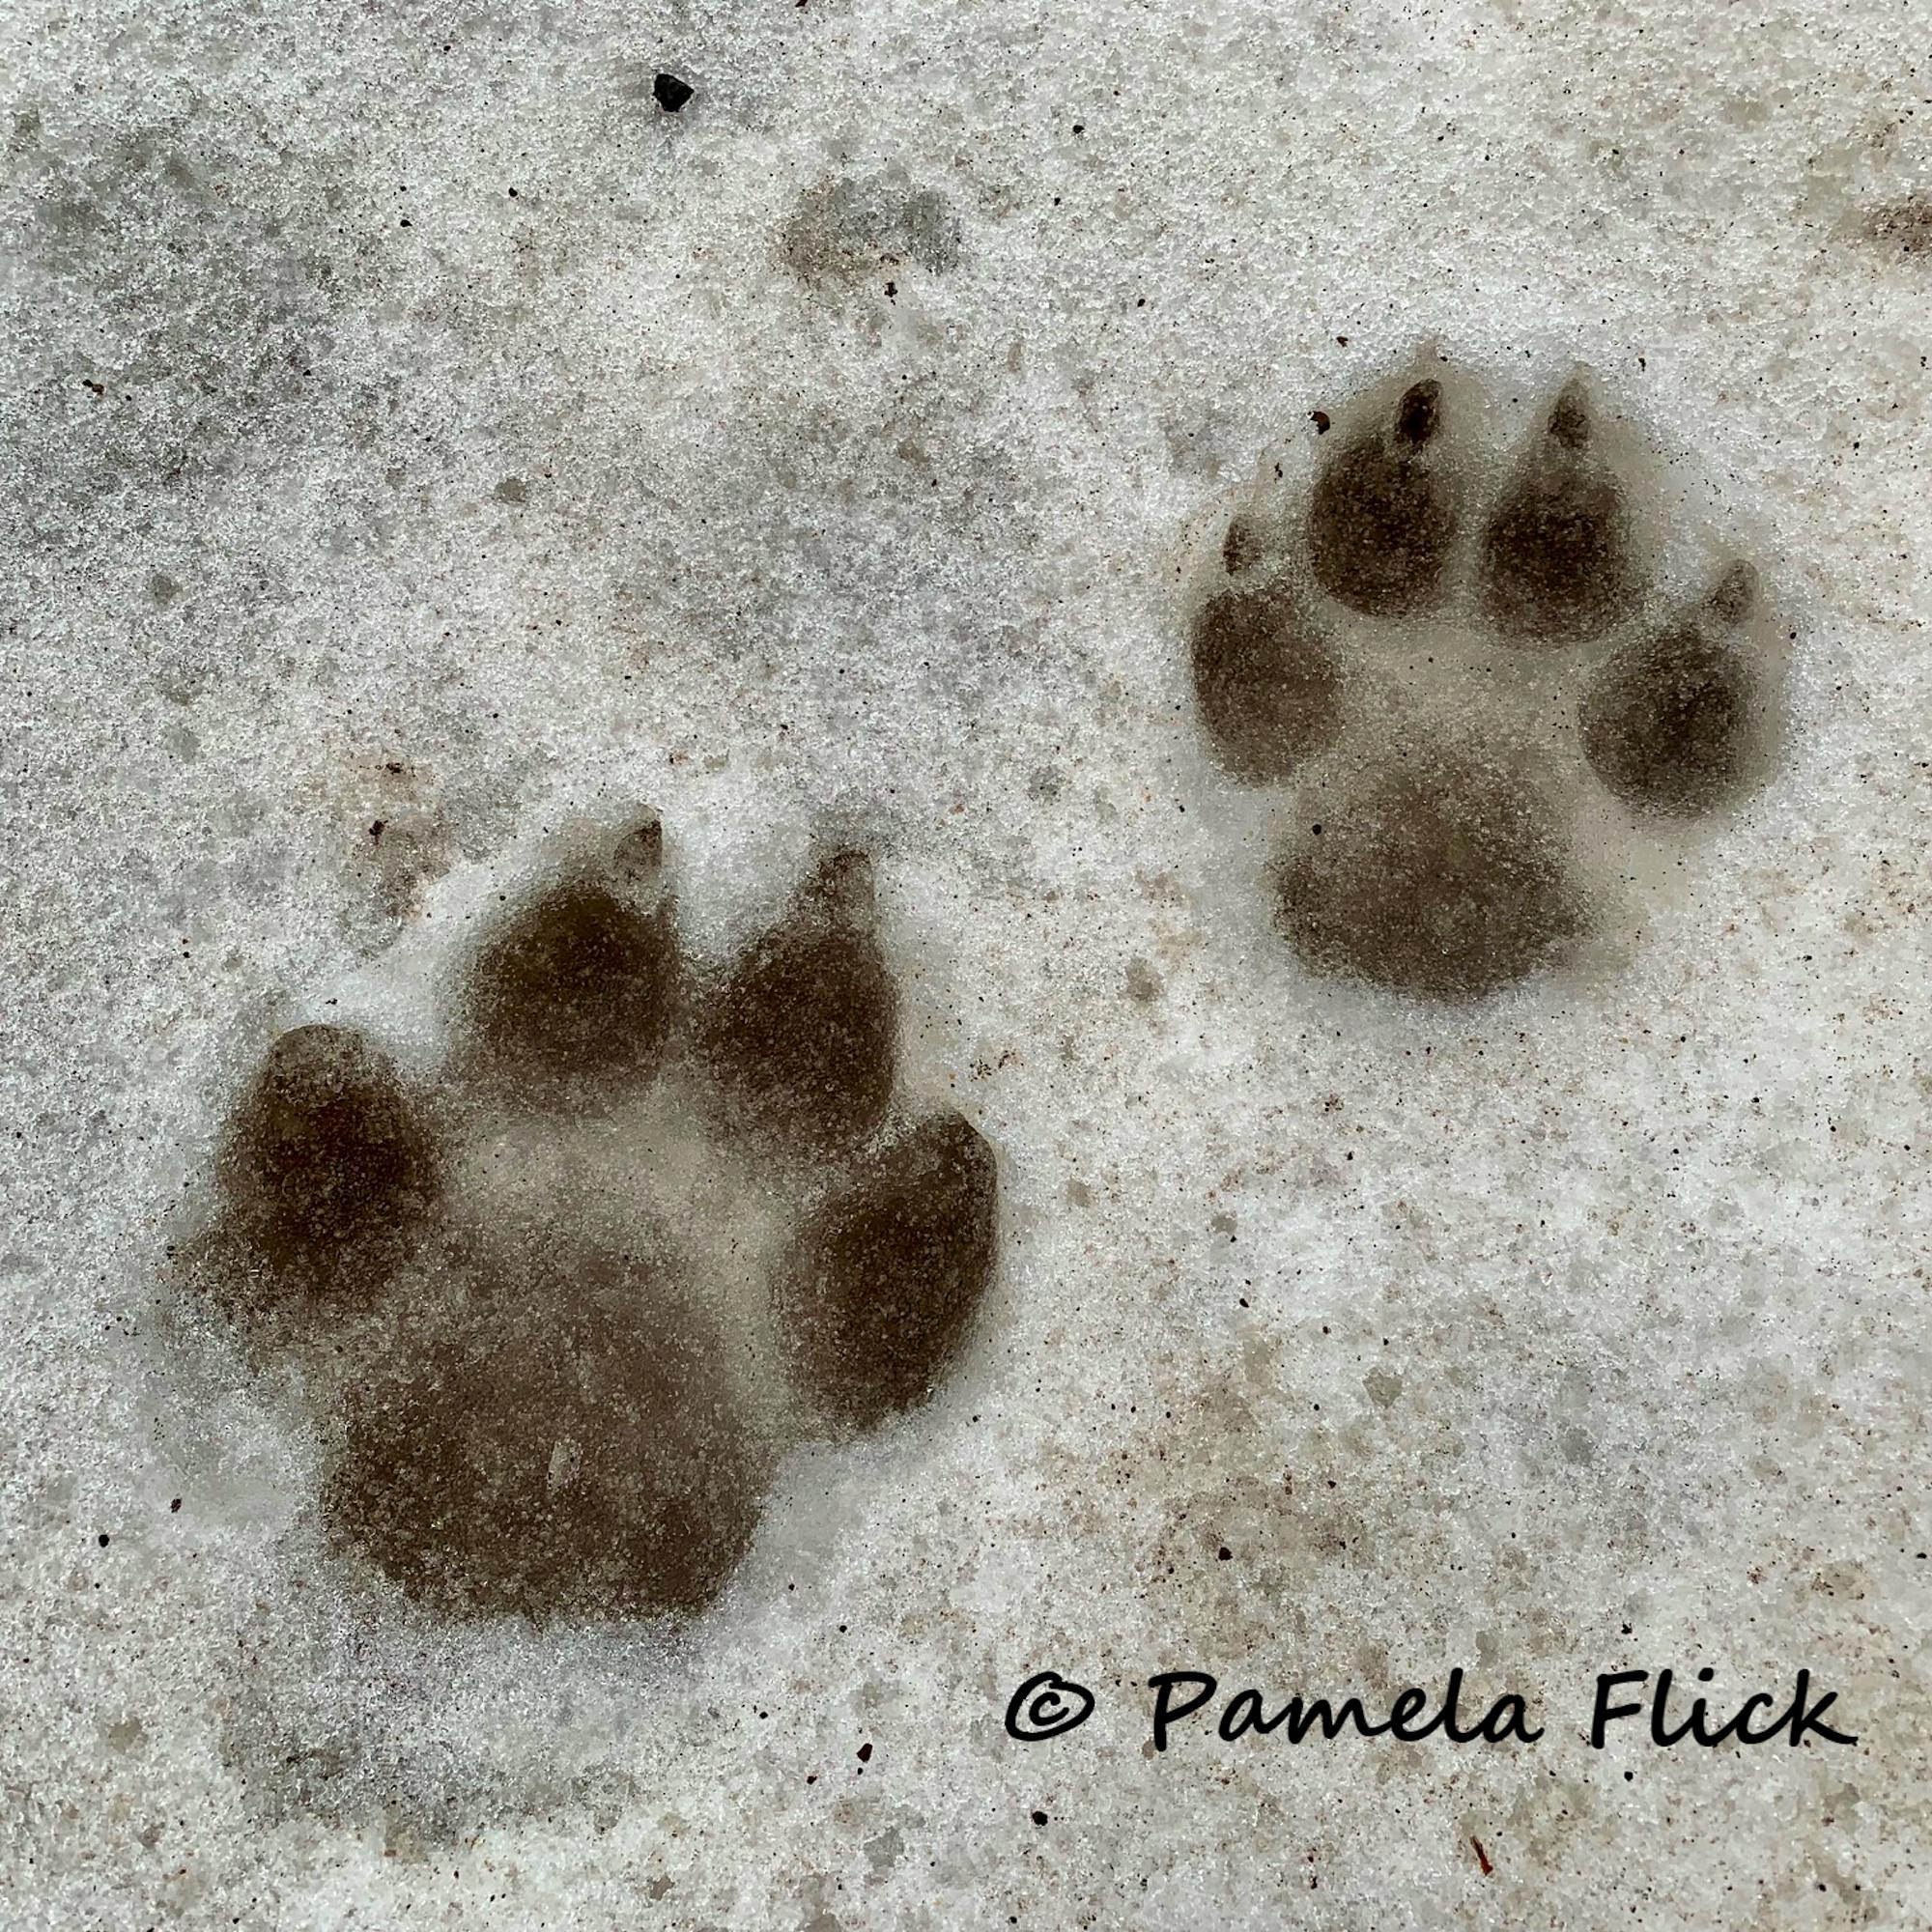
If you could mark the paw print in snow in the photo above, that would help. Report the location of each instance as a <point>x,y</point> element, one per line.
<point>1446,665</point>
<point>560,1308</point>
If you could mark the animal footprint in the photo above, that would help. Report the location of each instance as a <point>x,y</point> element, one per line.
<point>1461,678</point>
<point>559,1307</point>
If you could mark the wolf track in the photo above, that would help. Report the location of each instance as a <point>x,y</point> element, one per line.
<point>1442,662</point>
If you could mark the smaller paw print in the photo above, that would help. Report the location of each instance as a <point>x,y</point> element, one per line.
<point>1461,678</point>
<point>561,1307</point>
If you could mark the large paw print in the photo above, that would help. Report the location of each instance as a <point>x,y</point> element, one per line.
<point>1454,665</point>
<point>561,1307</point>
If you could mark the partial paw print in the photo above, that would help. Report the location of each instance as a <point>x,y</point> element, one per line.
<point>560,1306</point>
<point>1476,702</point>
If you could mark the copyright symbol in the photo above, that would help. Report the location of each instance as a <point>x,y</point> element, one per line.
<point>1047,1705</point>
